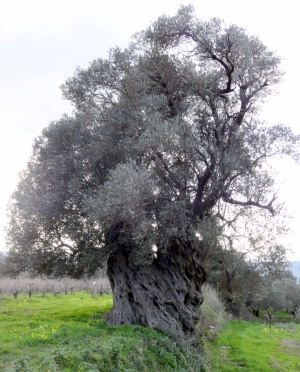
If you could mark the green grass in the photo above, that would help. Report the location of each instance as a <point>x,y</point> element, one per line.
<point>284,316</point>
<point>68,333</point>
<point>252,347</point>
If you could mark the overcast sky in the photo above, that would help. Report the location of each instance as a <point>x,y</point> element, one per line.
<point>42,42</point>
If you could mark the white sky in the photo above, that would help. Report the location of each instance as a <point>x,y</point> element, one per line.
<point>42,41</point>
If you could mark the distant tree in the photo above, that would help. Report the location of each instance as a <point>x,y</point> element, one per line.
<point>291,290</point>
<point>2,264</point>
<point>165,137</point>
<point>1,257</point>
<point>243,281</point>
<point>283,294</point>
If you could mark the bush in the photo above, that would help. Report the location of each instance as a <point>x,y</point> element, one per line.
<point>213,315</point>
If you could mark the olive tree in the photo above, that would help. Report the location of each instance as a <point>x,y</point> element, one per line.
<point>283,294</point>
<point>244,281</point>
<point>165,135</point>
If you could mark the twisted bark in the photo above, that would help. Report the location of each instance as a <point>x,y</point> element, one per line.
<point>165,295</point>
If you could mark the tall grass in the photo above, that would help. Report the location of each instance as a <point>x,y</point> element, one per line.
<point>213,315</point>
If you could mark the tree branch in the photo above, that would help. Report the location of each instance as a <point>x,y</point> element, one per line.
<point>250,202</point>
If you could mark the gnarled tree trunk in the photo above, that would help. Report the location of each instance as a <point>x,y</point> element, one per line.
<point>165,295</point>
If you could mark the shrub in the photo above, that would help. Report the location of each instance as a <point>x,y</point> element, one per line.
<point>213,315</point>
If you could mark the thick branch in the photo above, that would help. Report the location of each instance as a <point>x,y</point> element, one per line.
<point>228,70</point>
<point>250,202</point>
<point>170,173</point>
<point>201,184</point>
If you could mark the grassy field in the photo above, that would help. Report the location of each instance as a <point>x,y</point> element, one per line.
<point>253,347</point>
<point>68,333</point>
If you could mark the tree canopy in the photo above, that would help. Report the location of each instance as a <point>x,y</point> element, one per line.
<point>164,152</point>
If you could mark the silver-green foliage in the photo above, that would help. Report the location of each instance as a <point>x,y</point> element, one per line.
<point>165,137</point>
